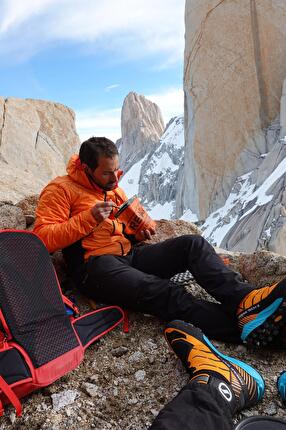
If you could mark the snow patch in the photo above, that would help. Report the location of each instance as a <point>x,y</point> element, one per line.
<point>219,223</point>
<point>162,211</point>
<point>130,181</point>
<point>161,163</point>
<point>189,216</point>
<point>260,194</point>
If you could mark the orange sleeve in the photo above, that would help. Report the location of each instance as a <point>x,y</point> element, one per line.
<point>53,222</point>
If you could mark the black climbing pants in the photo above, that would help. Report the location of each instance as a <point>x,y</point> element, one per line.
<point>196,407</point>
<point>140,281</point>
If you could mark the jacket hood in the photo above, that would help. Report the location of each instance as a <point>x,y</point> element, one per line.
<point>76,172</point>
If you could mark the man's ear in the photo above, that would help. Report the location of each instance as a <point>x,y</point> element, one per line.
<point>86,168</point>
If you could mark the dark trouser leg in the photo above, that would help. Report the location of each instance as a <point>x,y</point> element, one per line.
<point>112,280</point>
<point>195,408</point>
<point>193,253</point>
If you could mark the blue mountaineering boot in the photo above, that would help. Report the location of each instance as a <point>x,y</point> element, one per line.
<point>262,315</point>
<point>237,382</point>
<point>281,385</point>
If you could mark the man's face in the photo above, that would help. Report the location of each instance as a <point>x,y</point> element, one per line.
<point>106,174</point>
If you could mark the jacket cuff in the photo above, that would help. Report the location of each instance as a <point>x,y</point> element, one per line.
<point>88,221</point>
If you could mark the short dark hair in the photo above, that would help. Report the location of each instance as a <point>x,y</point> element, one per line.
<point>93,148</point>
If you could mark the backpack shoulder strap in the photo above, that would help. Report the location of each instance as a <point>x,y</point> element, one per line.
<point>11,396</point>
<point>96,324</point>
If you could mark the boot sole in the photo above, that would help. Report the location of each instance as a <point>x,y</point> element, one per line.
<point>274,309</point>
<point>264,329</point>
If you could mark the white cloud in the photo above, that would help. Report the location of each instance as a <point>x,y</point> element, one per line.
<point>95,122</point>
<point>171,102</point>
<point>133,28</point>
<point>111,87</point>
<point>16,12</point>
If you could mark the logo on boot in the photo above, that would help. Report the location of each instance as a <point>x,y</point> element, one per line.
<point>225,392</point>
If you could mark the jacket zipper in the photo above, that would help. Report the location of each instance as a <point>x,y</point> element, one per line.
<point>113,223</point>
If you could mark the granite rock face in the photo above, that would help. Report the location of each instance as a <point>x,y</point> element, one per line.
<point>156,177</point>
<point>142,126</point>
<point>160,170</point>
<point>254,214</point>
<point>262,220</point>
<point>36,140</point>
<point>283,111</point>
<point>232,91</point>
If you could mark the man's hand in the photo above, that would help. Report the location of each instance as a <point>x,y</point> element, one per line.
<point>102,210</point>
<point>144,234</point>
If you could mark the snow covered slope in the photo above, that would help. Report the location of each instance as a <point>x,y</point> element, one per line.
<point>254,215</point>
<point>155,177</point>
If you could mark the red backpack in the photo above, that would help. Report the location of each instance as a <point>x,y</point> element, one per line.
<point>42,336</point>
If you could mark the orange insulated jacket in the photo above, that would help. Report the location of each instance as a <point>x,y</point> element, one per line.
<point>63,215</point>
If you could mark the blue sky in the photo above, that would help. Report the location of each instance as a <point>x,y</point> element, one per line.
<point>88,54</point>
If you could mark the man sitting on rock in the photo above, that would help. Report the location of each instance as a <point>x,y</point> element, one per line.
<point>76,213</point>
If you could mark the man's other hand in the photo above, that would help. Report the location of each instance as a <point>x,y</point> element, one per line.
<point>102,210</point>
<point>144,234</point>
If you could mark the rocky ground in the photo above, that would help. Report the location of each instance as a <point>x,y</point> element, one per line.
<point>124,381</point>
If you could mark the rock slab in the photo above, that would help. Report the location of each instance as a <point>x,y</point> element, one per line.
<point>142,126</point>
<point>36,140</point>
<point>232,92</point>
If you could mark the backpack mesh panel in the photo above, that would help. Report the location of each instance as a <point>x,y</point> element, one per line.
<point>30,298</point>
<point>13,367</point>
